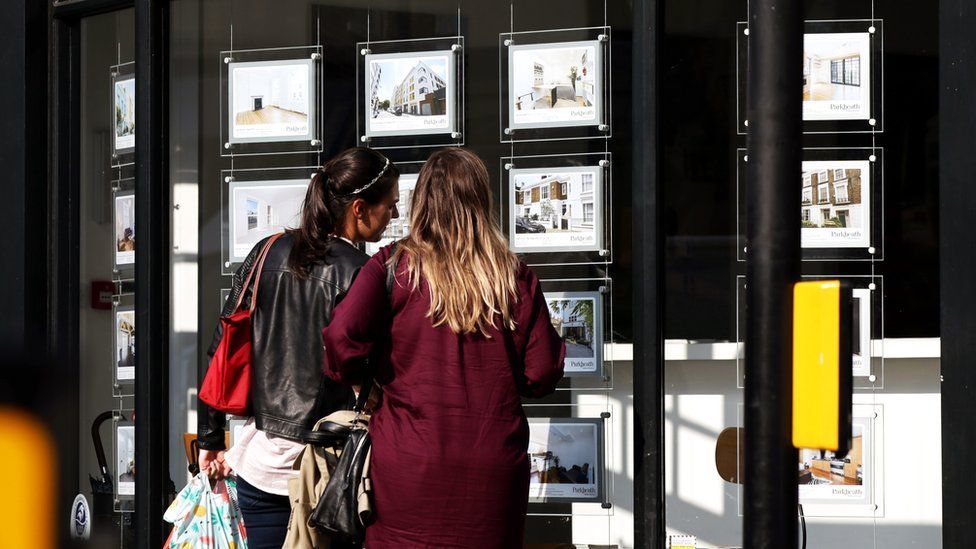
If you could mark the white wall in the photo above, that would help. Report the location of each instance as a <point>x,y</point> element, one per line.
<point>702,400</point>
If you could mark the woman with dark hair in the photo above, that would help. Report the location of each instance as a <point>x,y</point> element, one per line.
<point>467,332</point>
<point>349,200</point>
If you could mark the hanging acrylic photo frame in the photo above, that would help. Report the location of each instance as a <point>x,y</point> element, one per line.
<point>122,465</point>
<point>843,76</point>
<point>410,93</point>
<point>867,338</point>
<point>581,312</point>
<point>570,101</point>
<point>399,227</point>
<point>850,486</point>
<point>123,97</point>
<point>123,358</point>
<point>256,204</point>
<point>554,208</point>
<point>124,237</point>
<point>842,204</point>
<point>594,423</point>
<point>271,101</point>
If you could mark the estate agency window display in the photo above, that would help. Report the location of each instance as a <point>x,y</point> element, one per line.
<point>841,218</point>
<point>554,85</point>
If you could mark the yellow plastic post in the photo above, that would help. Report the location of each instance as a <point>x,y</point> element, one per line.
<point>821,360</point>
<point>28,474</point>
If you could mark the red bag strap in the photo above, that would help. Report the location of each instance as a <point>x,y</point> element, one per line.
<point>255,274</point>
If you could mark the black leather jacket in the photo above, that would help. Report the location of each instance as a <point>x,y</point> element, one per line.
<point>289,391</point>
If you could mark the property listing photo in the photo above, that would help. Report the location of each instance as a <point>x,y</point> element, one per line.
<point>409,93</point>
<point>835,205</point>
<point>125,460</point>
<point>556,209</point>
<point>125,345</point>
<point>271,101</point>
<point>578,319</point>
<point>556,84</point>
<point>563,457</point>
<point>258,209</point>
<point>399,227</point>
<point>125,114</point>
<point>861,333</point>
<point>837,76</point>
<point>824,477</point>
<point>125,237</point>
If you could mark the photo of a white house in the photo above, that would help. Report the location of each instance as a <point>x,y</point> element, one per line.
<point>836,76</point>
<point>563,460</point>
<point>555,209</point>
<point>270,101</point>
<point>577,318</point>
<point>125,114</point>
<point>409,93</point>
<point>554,84</point>
<point>260,209</point>
<point>399,227</point>
<point>834,211</point>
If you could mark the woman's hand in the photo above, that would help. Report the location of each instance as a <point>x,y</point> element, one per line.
<point>212,461</point>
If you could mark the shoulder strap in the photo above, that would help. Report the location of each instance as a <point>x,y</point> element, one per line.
<point>367,387</point>
<point>255,274</point>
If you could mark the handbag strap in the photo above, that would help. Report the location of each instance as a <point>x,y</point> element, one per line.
<point>367,387</point>
<point>258,266</point>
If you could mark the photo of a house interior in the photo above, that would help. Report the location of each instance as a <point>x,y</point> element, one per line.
<point>822,467</point>
<point>554,78</point>
<point>832,67</point>
<point>272,94</point>
<point>262,209</point>
<point>562,453</point>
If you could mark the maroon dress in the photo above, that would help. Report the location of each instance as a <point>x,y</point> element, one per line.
<point>449,462</point>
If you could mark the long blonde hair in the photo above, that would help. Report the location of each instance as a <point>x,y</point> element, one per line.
<point>455,245</point>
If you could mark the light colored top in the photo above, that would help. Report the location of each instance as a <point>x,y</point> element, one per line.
<point>264,461</point>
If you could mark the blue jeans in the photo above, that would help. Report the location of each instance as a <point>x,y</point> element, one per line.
<point>265,516</point>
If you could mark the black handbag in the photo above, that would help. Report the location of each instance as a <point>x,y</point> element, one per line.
<point>344,509</point>
<point>338,510</point>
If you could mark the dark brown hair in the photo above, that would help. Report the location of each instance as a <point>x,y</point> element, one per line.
<point>333,188</point>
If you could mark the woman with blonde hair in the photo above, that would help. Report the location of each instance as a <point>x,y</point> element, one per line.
<point>463,335</point>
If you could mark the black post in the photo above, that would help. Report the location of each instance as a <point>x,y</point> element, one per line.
<point>774,112</point>
<point>152,271</point>
<point>649,519</point>
<point>957,259</point>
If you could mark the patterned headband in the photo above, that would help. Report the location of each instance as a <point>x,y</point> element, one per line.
<point>375,179</point>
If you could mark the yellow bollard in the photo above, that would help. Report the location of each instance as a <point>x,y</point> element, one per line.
<point>28,474</point>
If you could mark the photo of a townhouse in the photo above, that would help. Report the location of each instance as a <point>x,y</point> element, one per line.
<point>835,205</point>
<point>563,460</point>
<point>262,208</point>
<point>577,318</point>
<point>125,345</point>
<point>125,114</point>
<point>399,227</point>
<point>555,209</point>
<point>824,476</point>
<point>409,94</point>
<point>271,100</point>
<point>836,76</point>
<point>555,84</point>
<point>125,236</point>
